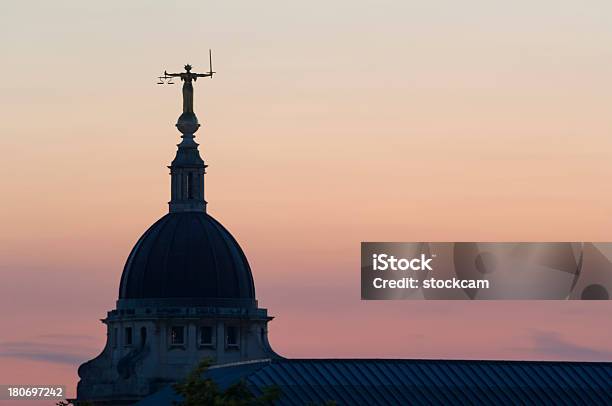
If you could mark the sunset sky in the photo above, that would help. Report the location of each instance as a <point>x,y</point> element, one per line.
<point>329,123</point>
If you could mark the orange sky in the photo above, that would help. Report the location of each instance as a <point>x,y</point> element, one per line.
<point>328,123</point>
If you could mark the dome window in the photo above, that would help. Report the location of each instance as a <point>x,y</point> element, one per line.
<point>143,336</point>
<point>128,336</point>
<point>231,337</point>
<point>206,336</point>
<point>177,335</point>
<point>115,337</point>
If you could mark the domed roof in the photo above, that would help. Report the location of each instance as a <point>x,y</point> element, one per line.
<point>188,255</point>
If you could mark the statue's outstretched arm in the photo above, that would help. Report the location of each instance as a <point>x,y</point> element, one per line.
<point>203,75</point>
<point>172,74</point>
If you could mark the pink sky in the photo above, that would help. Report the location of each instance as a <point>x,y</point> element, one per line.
<point>328,124</point>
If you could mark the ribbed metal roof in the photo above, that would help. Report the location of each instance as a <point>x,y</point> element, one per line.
<point>403,382</point>
<point>421,382</point>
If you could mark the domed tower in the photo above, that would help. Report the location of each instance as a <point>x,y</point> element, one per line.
<point>186,292</point>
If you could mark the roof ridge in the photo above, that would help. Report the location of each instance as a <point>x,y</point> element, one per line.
<point>441,360</point>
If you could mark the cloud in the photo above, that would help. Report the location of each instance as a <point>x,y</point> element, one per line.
<point>552,345</point>
<point>54,358</point>
<point>72,337</point>
<point>64,352</point>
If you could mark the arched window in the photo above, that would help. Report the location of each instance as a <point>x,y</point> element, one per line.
<point>177,335</point>
<point>143,336</point>
<point>231,336</point>
<point>128,336</point>
<point>206,336</point>
<point>190,186</point>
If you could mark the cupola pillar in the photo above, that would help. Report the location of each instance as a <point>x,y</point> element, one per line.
<point>187,169</point>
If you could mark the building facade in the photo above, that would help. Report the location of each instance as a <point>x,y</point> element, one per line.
<point>186,293</point>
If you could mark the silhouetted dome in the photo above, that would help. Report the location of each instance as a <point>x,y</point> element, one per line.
<point>188,255</point>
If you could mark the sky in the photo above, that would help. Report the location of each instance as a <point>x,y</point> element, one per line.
<point>328,123</point>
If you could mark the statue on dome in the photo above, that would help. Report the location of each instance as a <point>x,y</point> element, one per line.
<point>187,78</point>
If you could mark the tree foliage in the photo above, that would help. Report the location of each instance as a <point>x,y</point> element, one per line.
<point>67,403</point>
<point>198,390</point>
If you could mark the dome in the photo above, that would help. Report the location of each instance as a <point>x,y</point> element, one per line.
<point>188,257</point>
